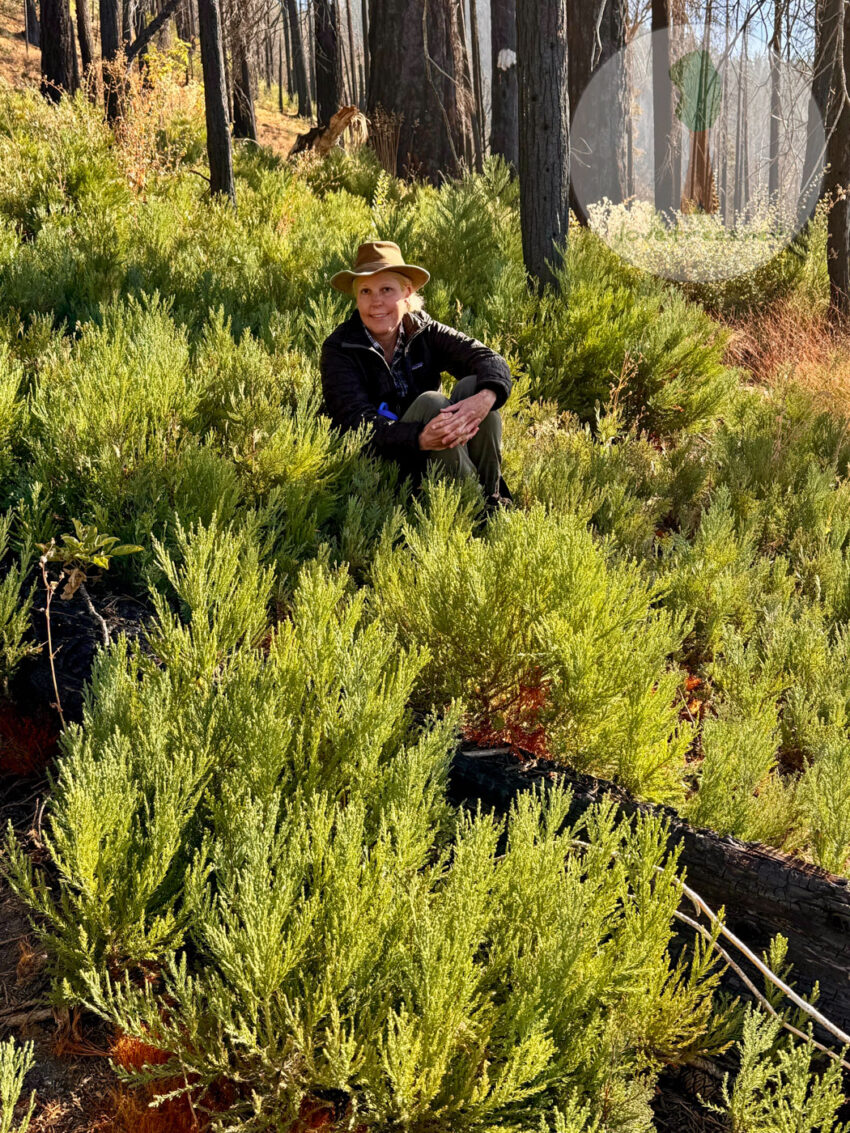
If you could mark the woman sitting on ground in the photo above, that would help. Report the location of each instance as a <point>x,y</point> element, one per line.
<point>382,367</point>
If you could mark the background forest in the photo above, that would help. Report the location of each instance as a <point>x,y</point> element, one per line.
<point>245,881</point>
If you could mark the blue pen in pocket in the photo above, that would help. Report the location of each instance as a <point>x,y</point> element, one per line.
<point>385,411</point>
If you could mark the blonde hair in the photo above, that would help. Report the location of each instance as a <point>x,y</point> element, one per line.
<point>414,300</point>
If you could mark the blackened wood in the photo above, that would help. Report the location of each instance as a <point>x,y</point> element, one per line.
<point>280,77</point>
<point>811,180</point>
<point>326,60</point>
<point>596,33</point>
<point>473,152</point>
<point>763,891</point>
<point>144,37</point>
<point>504,109</point>
<point>219,146</point>
<point>110,45</point>
<point>31,23</point>
<point>244,118</point>
<point>290,81</point>
<point>299,65</point>
<point>666,192</point>
<point>57,50</point>
<point>364,19</point>
<point>837,34</point>
<point>544,134</point>
<point>84,34</point>
<point>414,47</point>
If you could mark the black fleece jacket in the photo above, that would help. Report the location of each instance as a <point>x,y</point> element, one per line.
<point>356,378</point>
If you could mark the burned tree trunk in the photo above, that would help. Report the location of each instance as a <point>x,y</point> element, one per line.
<point>544,135</point>
<point>244,118</point>
<point>666,193</point>
<point>415,79</point>
<point>57,50</point>
<point>326,50</point>
<point>219,147</point>
<point>596,34</point>
<point>84,34</point>
<point>837,35</point>
<point>762,890</point>
<point>299,65</point>
<point>504,121</point>
<point>31,30</point>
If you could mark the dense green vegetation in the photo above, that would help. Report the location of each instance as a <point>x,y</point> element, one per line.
<point>249,825</point>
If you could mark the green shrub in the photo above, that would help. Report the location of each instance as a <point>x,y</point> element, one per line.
<point>776,1090</point>
<point>15,1064</point>
<point>456,995</point>
<point>613,328</point>
<point>717,576</point>
<point>612,476</point>
<point>15,607</point>
<point>536,604</point>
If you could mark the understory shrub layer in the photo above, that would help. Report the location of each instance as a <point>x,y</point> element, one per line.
<point>252,867</point>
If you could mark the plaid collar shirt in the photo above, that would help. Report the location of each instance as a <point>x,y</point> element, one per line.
<point>397,365</point>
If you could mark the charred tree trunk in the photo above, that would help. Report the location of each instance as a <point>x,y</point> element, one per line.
<point>544,135</point>
<point>815,159</point>
<point>775,56</point>
<point>414,78</point>
<point>326,59</point>
<point>309,34</point>
<point>597,35</point>
<point>477,79</point>
<point>31,30</point>
<point>837,33</point>
<point>280,77</point>
<point>504,110</point>
<point>57,50</point>
<point>762,890</point>
<point>84,34</point>
<point>299,65</point>
<point>219,147</point>
<point>473,153</point>
<point>666,192</point>
<point>128,19</point>
<point>110,45</point>
<point>284,30</point>
<point>244,118</point>
<point>364,19</point>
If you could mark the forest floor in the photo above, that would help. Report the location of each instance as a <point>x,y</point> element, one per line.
<point>20,67</point>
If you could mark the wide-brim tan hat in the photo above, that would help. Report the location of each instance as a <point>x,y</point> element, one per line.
<point>378,255</point>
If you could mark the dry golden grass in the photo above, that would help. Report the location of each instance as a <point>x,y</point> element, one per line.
<point>791,342</point>
<point>18,67</point>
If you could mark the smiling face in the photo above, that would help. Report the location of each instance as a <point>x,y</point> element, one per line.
<point>382,301</point>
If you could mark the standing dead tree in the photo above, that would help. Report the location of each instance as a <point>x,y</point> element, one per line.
<point>58,54</point>
<point>419,76</point>
<point>544,135</point>
<point>219,149</point>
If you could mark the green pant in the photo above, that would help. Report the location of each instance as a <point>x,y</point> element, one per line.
<point>482,455</point>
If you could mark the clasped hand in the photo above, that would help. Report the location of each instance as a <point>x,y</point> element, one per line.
<point>458,423</point>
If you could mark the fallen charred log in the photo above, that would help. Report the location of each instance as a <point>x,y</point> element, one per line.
<point>763,891</point>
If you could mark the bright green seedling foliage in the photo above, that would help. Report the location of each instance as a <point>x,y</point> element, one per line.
<point>15,607</point>
<point>15,1062</point>
<point>87,547</point>
<point>777,1090</point>
<point>536,604</point>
